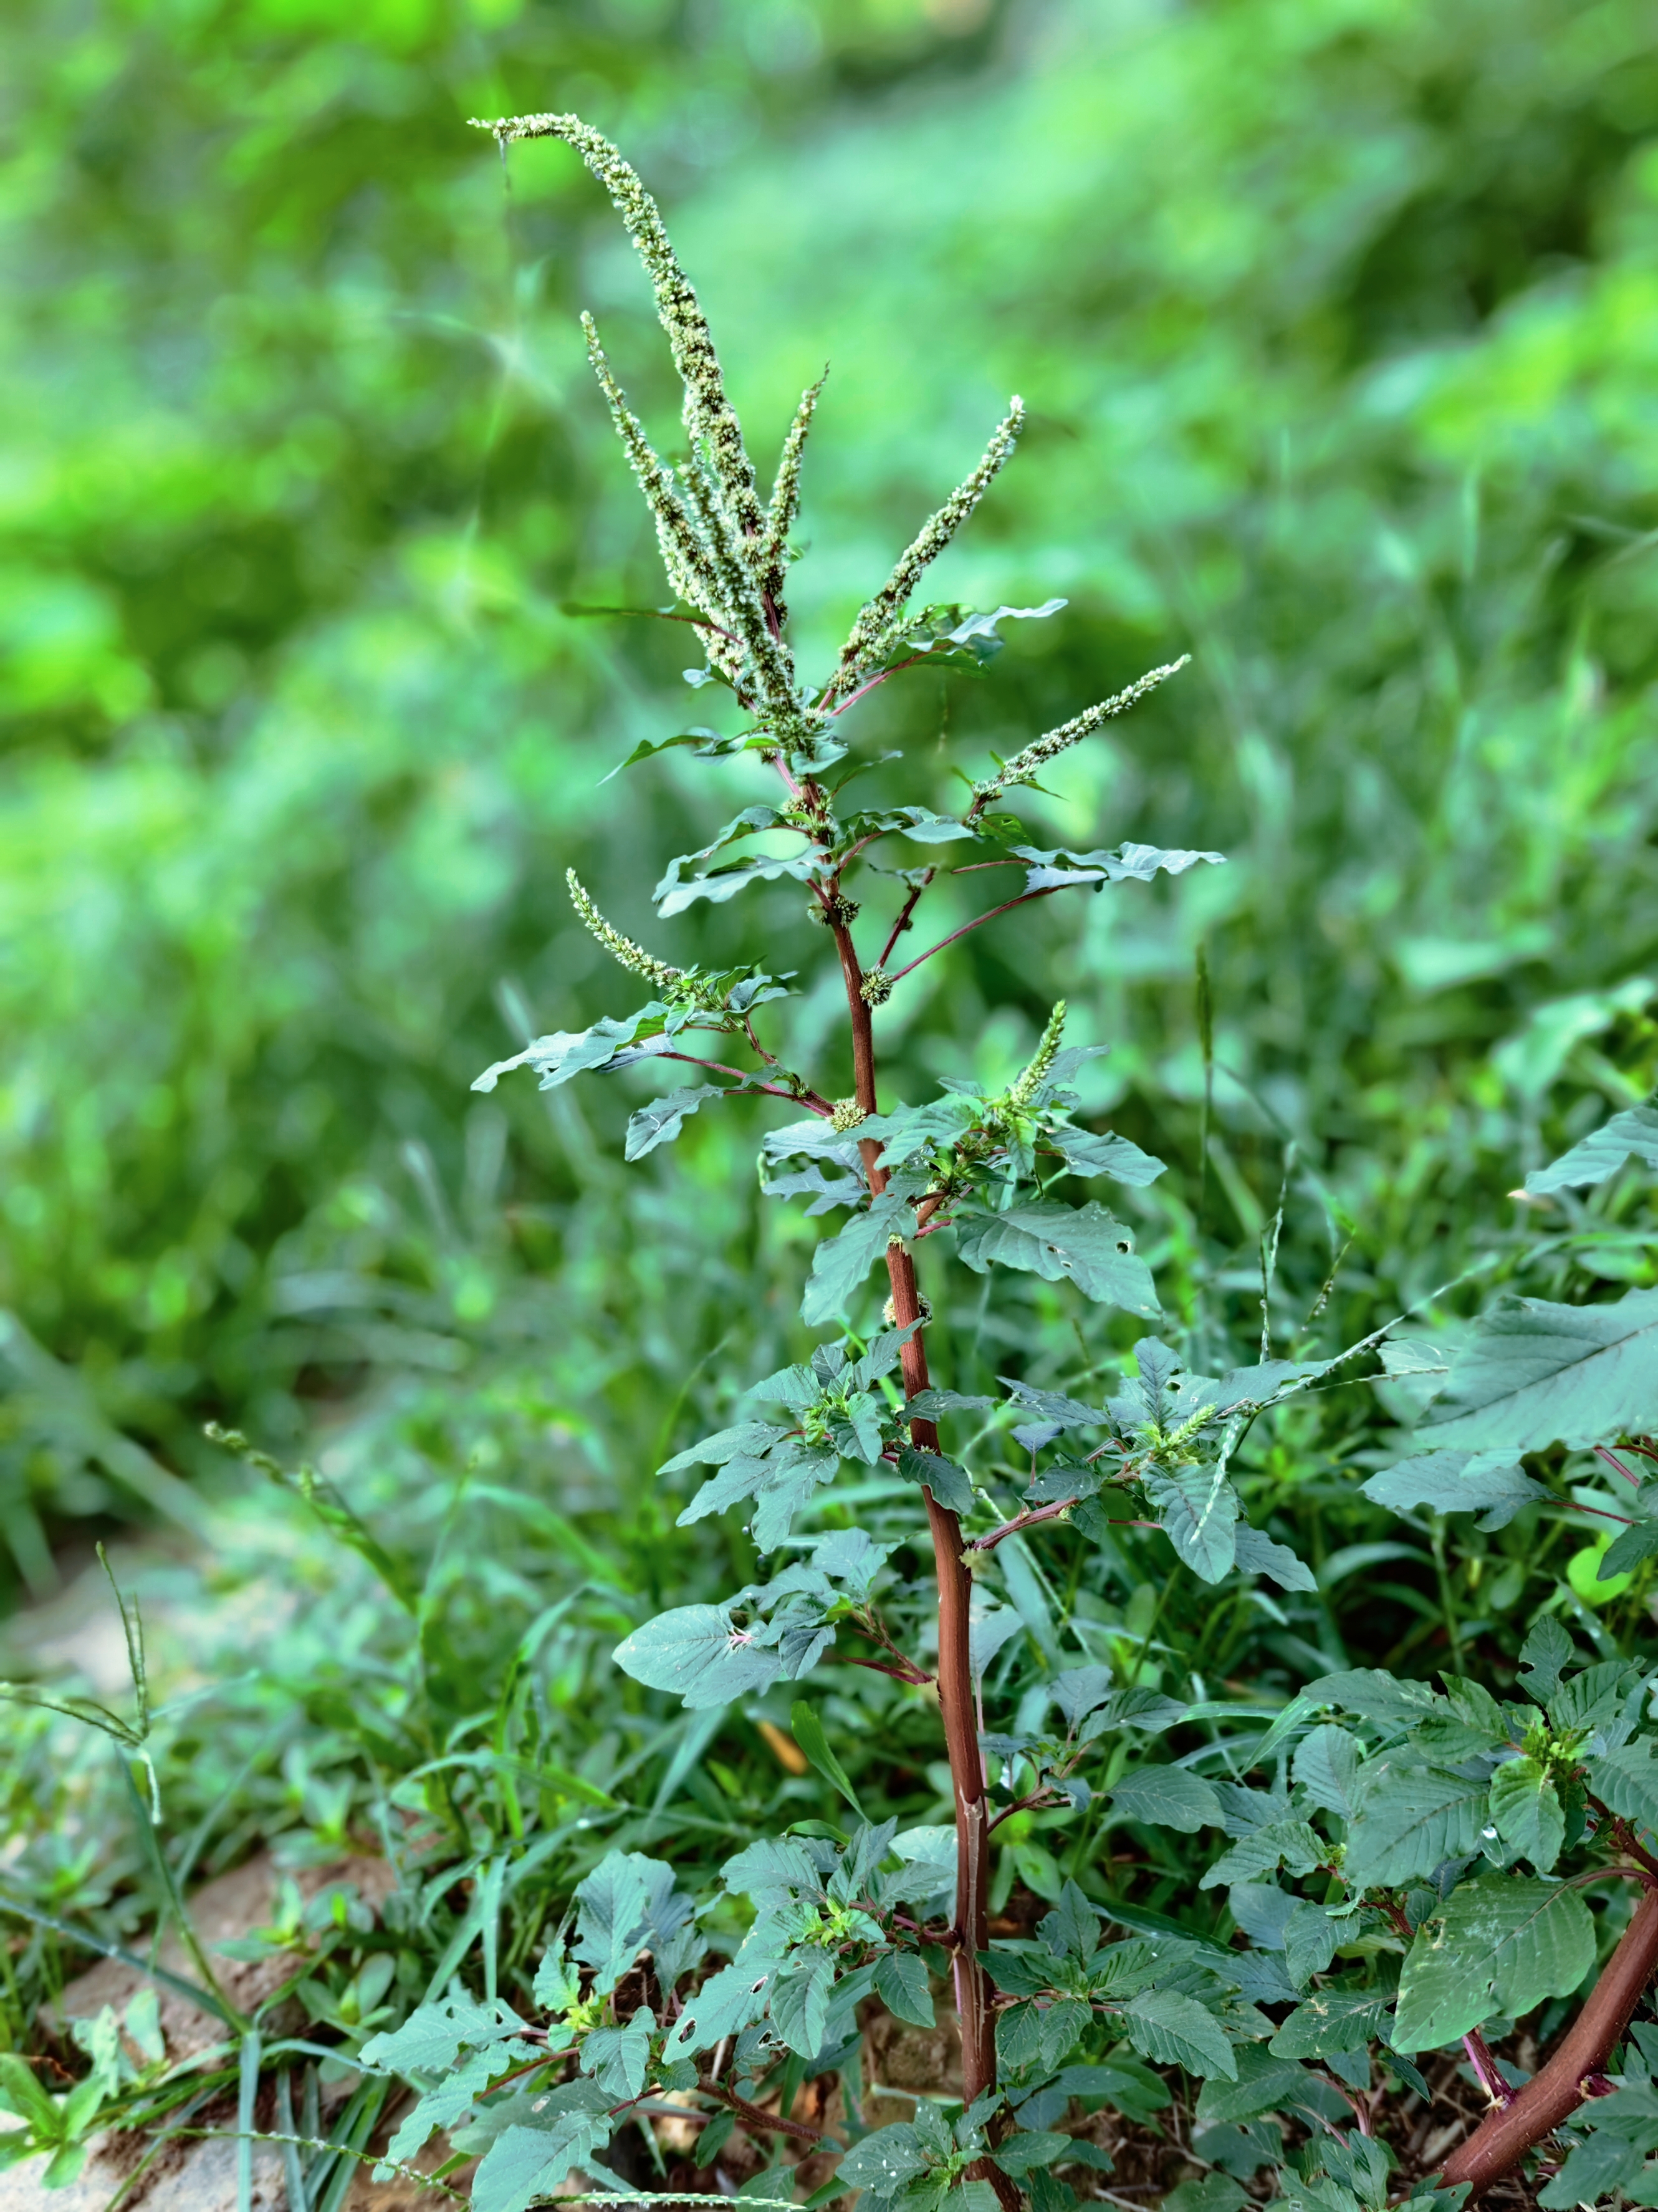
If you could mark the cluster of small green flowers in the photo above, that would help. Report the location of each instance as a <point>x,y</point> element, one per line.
<point>1025,766</point>
<point>847,1116</point>
<point>717,544</point>
<point>784,505</point>
<point>1024,1090</point>
<point>634,958</point>
<point>708,413</point>
<point>876,988</point>
<point>881,623</point>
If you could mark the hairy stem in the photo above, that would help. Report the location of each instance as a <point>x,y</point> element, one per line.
<point>970,1931</point>
<point>1503,2138</point>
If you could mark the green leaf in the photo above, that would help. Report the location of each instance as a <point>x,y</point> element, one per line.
<point>1263,2084</point>
<point>1626,1781</point>
<point>731,1999</point>
<point>1500,1943</point>
<point>699,1652</point>
<point>1032,2146</point>
<point>1627,1549</point>
<point>1327,1765</point>
<point>884,2161</point>
<point>1545,1654</point>
<point>1084,1243</point>
<point>1167,1797</point>
<point>1411,1819</point>
<point>900,1983</point>
<point>661,1121</point>
<point>1198,1509</point>
<point>1331,2020</point>
<point>1129,864</point>
<point>1288,1844</point>
<point>1310,1937</point>
<point>1534,1373</point>
<point>800,2002</point>
<point>1487,1482</point>
<point>565,1052</point>
<point>432,2036</point>
<point>616,2058</point>
<point>525,2163</point>
<point>1633,1134</point>
<point>841,1263</point>
<point>808,1732</point>
<point>1257,1554</point>
<point>674,893</point>
<point>949,1483</point>
<point>1086,1154</point>
<point>1173,2030</point>
<point>1526,1806</point>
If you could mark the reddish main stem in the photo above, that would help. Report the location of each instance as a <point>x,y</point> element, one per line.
<point>970,1930</point>
<point>1503,2138</point>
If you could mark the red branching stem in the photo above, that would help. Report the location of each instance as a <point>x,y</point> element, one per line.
<point>978,922</point>
<point>903,1674</point>
<point>752,2117</point>
<point>1616,1465</point>
<point>1503,2138</point>
<point>1485,2069</point>
<point>807,1098</point>
<point>1025,1520</point>
<point>904,914</point>
<point>1023,1805</point>
<point>826,703</point>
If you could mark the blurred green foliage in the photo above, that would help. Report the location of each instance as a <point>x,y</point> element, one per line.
<point>1336,323</point>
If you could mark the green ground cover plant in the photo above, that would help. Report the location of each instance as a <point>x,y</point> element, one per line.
<point>1329,1869</point>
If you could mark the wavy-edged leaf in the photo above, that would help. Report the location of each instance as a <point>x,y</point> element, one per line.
<point>524,2163</point>
<point>1633,1134</point>
<point>948,1482</point>
<point>1275,1843</point>
<point>699,1652</point>
<point>565,1052</point>
<point>1533,1374</point>
<point>661,1121</point>
<point>1128,864</point>
<point>1499,1943</point>
<point>1489,1482</point>
<point>1084,1243</point>
<point>1086,1154</point>
<point>1257,1554</point>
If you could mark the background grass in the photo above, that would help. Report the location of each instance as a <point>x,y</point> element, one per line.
<point>1336,319</point>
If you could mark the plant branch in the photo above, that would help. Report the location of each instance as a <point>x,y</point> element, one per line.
<point>753,2116</point>
<point>978,922</point>
<point>1025,1520</point>
<point>904,914</point>
<point>1503,2138</point>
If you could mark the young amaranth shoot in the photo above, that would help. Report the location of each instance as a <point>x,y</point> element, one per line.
<point>1428,1804</point>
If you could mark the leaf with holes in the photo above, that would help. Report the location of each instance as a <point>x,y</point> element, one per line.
<point>1500,1943</point>
<point>1082,1243</point>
